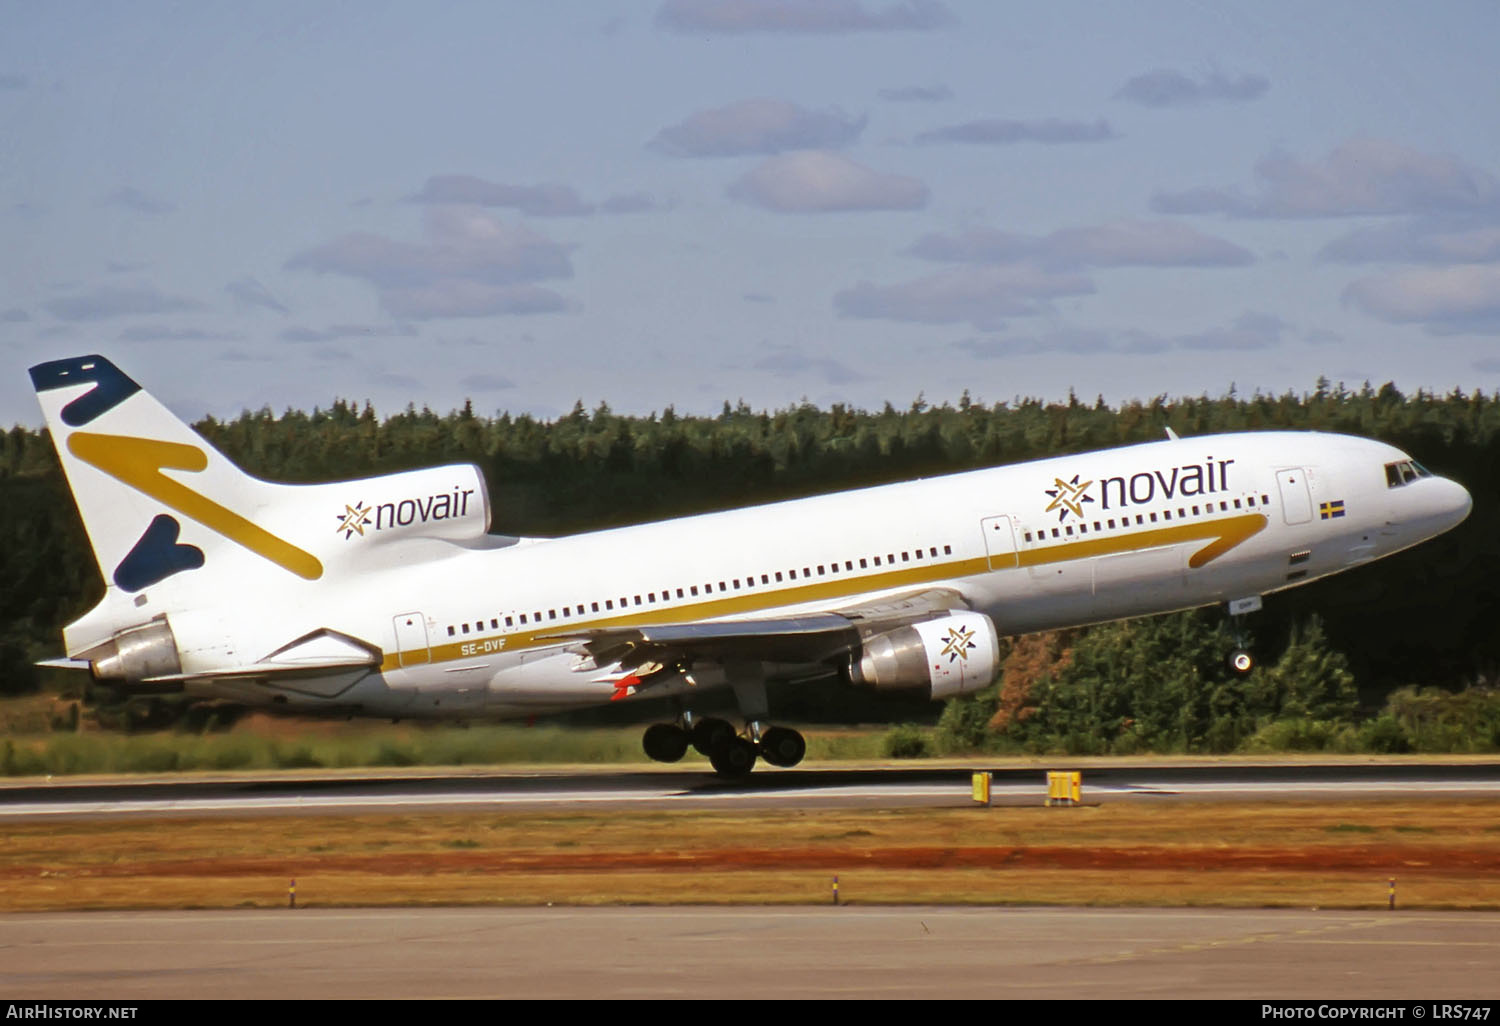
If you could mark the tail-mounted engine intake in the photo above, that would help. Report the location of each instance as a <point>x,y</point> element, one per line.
<point>137,653</point>
<point>952,655</point>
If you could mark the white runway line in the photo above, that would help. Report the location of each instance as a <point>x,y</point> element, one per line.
<point>948,791</point>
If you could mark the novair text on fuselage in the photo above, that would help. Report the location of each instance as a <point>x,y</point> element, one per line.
<point>1207,478</point>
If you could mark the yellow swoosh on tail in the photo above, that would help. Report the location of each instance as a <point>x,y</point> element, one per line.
<point>139,462</point>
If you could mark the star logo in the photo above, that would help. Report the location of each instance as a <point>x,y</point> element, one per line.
<point>1068,497</point>
<point>957,643</point>
<point>353,520</point>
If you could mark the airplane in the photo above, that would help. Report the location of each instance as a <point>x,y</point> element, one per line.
<point>389,596</point>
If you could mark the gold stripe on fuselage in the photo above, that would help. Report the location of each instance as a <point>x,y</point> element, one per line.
<point>1222,534</point>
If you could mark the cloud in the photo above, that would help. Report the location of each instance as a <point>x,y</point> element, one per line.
<point>134,199</point>
<point>981,296</point>
<point>757,127</point>
<point>1248,332</point>
<point>1075,341</point>
<point>789,363</point>
<point>1360,177</point>
<point>545,200</point>
<point>1423,240</point>
<point>1445,300</point>
<point>631,203</point>
<point>337,331</point>
<point>103,303</point>
<point>1166,88</point>
<point>15,315</point>
<point>253,293</point>
<point>1004,132</point>
<point>471,264</point>
<point>815,181</point>
<point>734,17</point>
<point>1128,243</point>
<point>159,333</point>
<point>917,94</point>
<point>8,82</point>
<point>487,383</point>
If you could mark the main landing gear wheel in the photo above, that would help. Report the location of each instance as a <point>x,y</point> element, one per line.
<point>735,759</point>
<point>665,742</point>
<point>782,746</point>
<point>1240,661</point>
<point>710,735</point>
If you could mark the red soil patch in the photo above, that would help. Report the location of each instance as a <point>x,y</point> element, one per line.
<point>1310,858</point>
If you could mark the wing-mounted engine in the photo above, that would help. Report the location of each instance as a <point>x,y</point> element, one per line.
<point>946,656</point>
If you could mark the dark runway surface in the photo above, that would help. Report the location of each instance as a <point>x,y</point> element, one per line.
<point>692,788</point>
<point>862,952</point>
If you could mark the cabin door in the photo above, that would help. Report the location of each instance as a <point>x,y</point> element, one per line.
<point>1000,542</point>
<point>1296,501</point>
<point>411,639</point>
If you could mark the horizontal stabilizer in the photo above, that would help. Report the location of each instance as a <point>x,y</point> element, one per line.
<point>322,653</point>
<point>64,664</point>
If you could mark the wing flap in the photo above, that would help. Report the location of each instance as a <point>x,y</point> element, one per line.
<point>805,638</point>
<point>800,638</point>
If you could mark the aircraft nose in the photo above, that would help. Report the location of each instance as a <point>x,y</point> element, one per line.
<point>1462,501</point>
<point>1448,505</point>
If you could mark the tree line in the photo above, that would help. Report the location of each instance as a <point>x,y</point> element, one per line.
<point>1422,618</point>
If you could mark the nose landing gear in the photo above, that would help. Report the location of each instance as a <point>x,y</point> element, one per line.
<point>1240,659</point>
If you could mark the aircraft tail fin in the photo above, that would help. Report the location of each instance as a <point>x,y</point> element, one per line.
<point>156,499</point>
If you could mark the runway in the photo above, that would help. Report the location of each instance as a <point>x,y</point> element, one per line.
<point>691,788</point>
<point>914,952</point>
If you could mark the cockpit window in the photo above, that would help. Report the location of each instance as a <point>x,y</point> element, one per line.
<point>1404,472</point>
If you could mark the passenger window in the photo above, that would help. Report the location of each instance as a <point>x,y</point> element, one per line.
<point>450,631</point>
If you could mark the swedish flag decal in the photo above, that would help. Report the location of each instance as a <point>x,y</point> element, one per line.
<point>1331,510</point>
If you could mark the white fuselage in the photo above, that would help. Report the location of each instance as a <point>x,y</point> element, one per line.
<point>1052,543</point>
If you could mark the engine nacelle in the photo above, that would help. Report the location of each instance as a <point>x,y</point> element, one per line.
<point>137,653</point>
<point>952,655</point>
<point>445,503</point>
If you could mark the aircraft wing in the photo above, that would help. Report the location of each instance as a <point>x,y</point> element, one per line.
<point>801,638</point>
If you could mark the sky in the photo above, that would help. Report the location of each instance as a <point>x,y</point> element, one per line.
<point>686,202</point>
